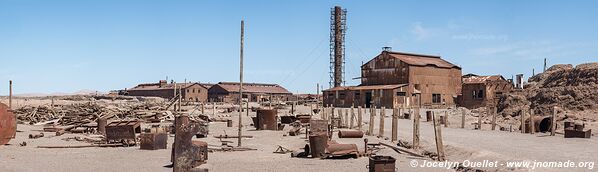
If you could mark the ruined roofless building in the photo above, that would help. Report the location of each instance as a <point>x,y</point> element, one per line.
<point>191,92</point>
<point>254,92</point>
<point>391,78</point>
<point>478,91</point>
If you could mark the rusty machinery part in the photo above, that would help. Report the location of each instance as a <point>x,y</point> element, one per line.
<point>350,134</point>
<point>317,144</point>
<point>317,126</point>
<point>266,119</point>
<point>153,141</point>
<point>381,164</point>
<point>342,150</point>
<point>8,124</point>
<point>122,131</point>
<point>304,118</point>
<point>541,124</point>
<point>187,154</point>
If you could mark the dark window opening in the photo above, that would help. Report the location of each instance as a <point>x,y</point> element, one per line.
<point>479,94</point>
<point>436,98</point>
<point>401,93</point>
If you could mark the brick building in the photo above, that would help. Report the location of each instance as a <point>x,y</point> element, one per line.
<point>391,78</point>
<point>191,92</point>
<point>255,92</point>
<point>478,91</point>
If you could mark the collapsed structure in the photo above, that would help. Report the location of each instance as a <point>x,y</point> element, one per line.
<point>391,79</point>
<point>480,91</point>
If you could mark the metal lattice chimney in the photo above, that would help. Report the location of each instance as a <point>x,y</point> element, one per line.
<point>337,46</point>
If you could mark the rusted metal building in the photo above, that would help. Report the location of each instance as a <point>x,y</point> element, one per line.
<point>255,92</point>
<point>478,91</point>
<point>391,78</point>
<point>191,92</point>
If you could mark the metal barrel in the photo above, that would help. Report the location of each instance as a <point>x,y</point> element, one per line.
<point>342,149</point>
<point>350,134</point>
<point>541,124</point>
<point>8,124</point>
<point>317,144</point>
<point>266,119</point>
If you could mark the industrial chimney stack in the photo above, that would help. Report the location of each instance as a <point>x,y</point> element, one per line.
<point>338,28</point>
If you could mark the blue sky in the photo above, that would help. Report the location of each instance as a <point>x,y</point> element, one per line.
<point>66,46</point>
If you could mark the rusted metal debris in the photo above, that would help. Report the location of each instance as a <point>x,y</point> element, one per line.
<point>84,146</point>
<point>573,130</point>
<point>381,164</point>
<point>153,141</point>
<point>317,144</point>
<point>8,125</point>
<point>266,119</point>
<point>35,136</point>
<point>122,131</point>
<point>350,134</point>
<point>187,154</point>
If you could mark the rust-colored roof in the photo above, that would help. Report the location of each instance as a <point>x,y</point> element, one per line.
<point>473,79</point>
<point>157,86</point>
<point>254,88</point>
<point>367,87</point>
<point>422,60</point>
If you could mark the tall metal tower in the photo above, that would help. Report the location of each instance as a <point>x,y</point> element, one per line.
<point>338,28</point>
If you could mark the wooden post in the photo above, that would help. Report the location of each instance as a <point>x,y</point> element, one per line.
<point>553,121</point>
<point>416,118</point>
<point>522,116</point>
<point>480,121</point>
<point>493,111</point>
<point>382,116</point>
<point>438,136</point>
<point>395,122</point>
<point>347,118</point>
<point>247,106</point>
<point>203,106</point>
<point>352,117</point>
<point>340,118</point>
<point>532,124</point>
<point>462,118</point>
<point>213,109</point>
<point>241,85</point>
<point>359,117</point>
<point>371,126</point>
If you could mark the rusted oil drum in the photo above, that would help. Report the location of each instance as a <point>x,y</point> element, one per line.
<point>350,134</point>
<point>229,123</point>
<point>317,144</point>
<point>266,119</point>
<point>541,124</point>
<point>8,124</point>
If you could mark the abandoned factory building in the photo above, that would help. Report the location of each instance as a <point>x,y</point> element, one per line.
<point>480,91</point>
<point>254,92</point>
<point>390,79</point>
<point>190,92</point>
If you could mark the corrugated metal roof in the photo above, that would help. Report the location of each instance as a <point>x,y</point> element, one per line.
<point>367,87</point>
<point>472,79</point>
<point>254,88</point>
<point>422,60</point>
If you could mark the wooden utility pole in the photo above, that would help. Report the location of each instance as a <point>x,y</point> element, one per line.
<point>416,117</point>
<point>241,84</point>
<point>462,118</point>
<point>359,117</point>
<point>438,136</point>
<point>553,121</point>
<point>318,97</point>
<point>382,116</point>
<point>522,116</point>
<point>446,118</point>
<point>175,100</point>
<point>532,124</point>
<point>480,121</point>
<point>395,122</point>
<point>213,109</point>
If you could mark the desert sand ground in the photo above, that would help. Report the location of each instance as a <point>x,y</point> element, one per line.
<point>460,144</point>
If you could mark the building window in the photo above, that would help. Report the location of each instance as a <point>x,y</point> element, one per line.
<point>341,95</point>
<point>436,98</point>
<point>193,90</point>
<point>479,94</point>
<point>357,95</point>
<point>401,94</point>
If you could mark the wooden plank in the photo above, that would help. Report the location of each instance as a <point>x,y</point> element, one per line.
<point>438,136</point>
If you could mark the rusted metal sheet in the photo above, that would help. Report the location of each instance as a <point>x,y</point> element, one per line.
<point>119,131</point>
<point>304,118</point>
<point>287,119</point>
<point>578,133</point>
<point>382,164</point>
<point>8,124</point>
<point>102,122</point>
<point>317,144</point>
<point>350,134</point>
<point>187,154</point>
<point>341,149</point>
<point>266,119</point>
<point>153,141</point>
